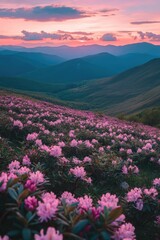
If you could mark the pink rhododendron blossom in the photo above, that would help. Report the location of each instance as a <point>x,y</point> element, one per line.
<point>14,165</point>
<point>76,161</point>
<point>55,151</point>
<point>108,200</point>
<point>51,234</point>
<point>61,144</point>
<point>74,143</point>
<point>45,148</point>
<point>32,136</point>
<point>22,170</point>
<point>126,231</point>
<point>156,182</point>
<point>85,203</point>
<point>88,180</point>
<point>152,192</point>
<point>4,238</point>
<point>38,142</point>
<point>30,185</point>
<point>47,209</point>
<point>36,177</point>
<point>134,195</point>
<point>18,124</point>
<point>63,160</point>
<point>68,197</point>
<point>78,172</point>
<point>26,160</point>
<point>31,203</point>
<point>124,170</point>
<point>129,151</point>
<point>139,204</point>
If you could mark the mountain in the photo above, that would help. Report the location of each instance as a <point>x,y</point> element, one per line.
<point>78,70</point>
<point>130,91</point>
<point>13,63</point>
<point>68,52</point>
<point>29,85</point>
<point>71,72</point>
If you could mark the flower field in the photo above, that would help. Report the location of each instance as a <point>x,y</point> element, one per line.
<point>70,174</point>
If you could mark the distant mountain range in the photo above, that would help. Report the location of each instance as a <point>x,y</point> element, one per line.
<point>126,81</point>
<point>13,63</point>
<point>75,71</point>
<point>68,52</point>
<point>130,91</point>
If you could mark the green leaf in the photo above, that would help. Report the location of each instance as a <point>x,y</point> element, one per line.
<point>72,236</point>
<point>13,193</point>
<point>30,216</point>
<point>105,235</point>
<point>13,233</point>
<point>20,189</point>
<point>80,226</point>
<point>106,212</point>
<point>26,234</point>
<point>114,214</point>
<point>23,195</point>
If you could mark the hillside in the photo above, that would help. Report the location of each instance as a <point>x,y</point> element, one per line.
<point>127,92</point>
<point>13,63</point>
<point>87,68</point>
<point>29,85</point>
<point>72,71</point>
<point>75,174</point>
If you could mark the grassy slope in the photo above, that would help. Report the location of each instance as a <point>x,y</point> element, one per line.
<point>87,68</point>
<point>127,92</point>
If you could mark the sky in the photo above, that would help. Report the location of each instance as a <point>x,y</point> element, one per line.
<point>84,22</point>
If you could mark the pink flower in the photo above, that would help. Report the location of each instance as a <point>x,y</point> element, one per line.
<point>88,144</point>
<point>14,165</point>
<point>26,160</point>
<point>68,197</point>
<point>124,170</point>
<point>152,192</point>
<point>129,151</point>
<point>32,136</point>
<point>30,185</point>
<point>18,124</point>
<point>38,142</point>
<point>61,144</point>
<point>22,170</point>
<point>139,204</point>
<point>85,203</point>
<point>36,177</point>
<point>55,151</point>
<point>47,209</point>
<point>4,237</point>
<point>156,182</point>
<point>126,231</point>
<point>74,143</point>
<point>63,160</point>
<point>108,200</point>
<point>45,148</point>
<point>31,203</point>
<point>76,161</point>
<point>101,149</point>
<point>134,195</point>
<point>88,180</point>
<point>71,134</point>
<point>78,172</point>
<point>51,234</point>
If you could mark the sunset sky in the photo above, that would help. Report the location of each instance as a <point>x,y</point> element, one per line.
<point>79,22</point>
